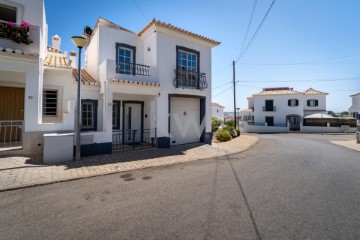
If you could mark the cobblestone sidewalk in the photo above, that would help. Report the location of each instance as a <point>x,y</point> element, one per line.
<point>18,172</point>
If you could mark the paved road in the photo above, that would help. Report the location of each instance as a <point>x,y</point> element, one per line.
<point>289,186</point>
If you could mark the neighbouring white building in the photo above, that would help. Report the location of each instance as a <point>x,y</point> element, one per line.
<point>281,109</point>
<point>354,110</point>
<point>217,111</point>
<point>150,87</point>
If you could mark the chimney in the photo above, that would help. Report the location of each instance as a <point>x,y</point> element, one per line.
<point>73,59</point>
<point>56,41</point>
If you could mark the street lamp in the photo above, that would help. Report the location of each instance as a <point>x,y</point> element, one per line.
<point>79,42</point>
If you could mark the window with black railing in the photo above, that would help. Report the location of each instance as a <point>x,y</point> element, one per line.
<point>132,69</point>
<point>126,61</point>
<point>187,74</point>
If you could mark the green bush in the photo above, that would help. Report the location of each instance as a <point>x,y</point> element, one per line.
<point>215,124</point>
<point>238,131</point>
<point>223,135</point>
<point>230,123</point>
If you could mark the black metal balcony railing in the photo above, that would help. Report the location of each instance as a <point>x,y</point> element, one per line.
<point>190,79</point>
<point>269,109</point>
<point>132,69</point>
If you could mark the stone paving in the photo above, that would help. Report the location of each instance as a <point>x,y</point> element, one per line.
<point>348,144</point>
<point>19,171</point>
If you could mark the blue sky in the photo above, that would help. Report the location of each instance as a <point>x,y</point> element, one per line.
<point>302,44</point>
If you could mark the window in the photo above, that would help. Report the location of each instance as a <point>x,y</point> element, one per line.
<point>50,103</point>
<point>88,115</point>
<point>116,115</point>
<point>269,106</point>
<point>7,13</point>
<point>187,69</point>
<point>312,103</point>
<point>125,59</point>
<point>269,121</point>
<point>293,102</point>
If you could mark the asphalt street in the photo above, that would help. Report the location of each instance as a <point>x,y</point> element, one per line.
<point>288,186</point>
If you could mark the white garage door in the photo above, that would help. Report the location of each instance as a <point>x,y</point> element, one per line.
<point>184,120</point>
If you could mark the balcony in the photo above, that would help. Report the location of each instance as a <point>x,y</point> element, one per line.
<point>130,72</point>
<point>269,109</point>
<point>190,79</point>
<point>22,39</point>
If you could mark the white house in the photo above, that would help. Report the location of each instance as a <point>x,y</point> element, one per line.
<point>151,87</point>
<point>283,107</point>
<point>22,71</point>
<point>354,110</point>
<point>155,85</point>
<point>217,111</point>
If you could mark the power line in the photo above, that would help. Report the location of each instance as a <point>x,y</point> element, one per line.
<point>222,85</point>
<point>247,29</point>
<point>137,6</point>
<point>222,69</point>
<point>256,32</point>
<point>223,92</point>
<point>309,80</point>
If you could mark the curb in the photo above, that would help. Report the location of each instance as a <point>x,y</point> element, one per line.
<point>109,173</point>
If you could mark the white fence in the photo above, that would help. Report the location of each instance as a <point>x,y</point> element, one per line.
<point>245,127</point>
<point>11,133</point>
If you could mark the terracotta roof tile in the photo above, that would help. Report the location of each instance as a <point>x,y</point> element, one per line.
<point>177,29</point>
<point>217,105</point>
<point>313,91</point>
<point>51,49</point>
<point>85,77</point>
<point>278,91</point>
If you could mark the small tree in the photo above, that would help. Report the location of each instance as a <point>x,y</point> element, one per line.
<point>215,124</point>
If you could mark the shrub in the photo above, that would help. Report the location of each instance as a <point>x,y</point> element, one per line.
<point>237,131</point>
<point>215,124</point>
<point>16,33</point>
<point>223,135</point>
<point>229,123</point>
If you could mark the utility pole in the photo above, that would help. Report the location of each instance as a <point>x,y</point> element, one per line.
<point>234,94</point>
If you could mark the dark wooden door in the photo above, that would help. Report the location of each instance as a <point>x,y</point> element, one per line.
<point>11,108</point>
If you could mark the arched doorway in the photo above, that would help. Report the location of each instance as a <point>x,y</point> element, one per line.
<point>294,121</point>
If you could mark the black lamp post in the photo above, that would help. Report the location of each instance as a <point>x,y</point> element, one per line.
<point>79,42</point>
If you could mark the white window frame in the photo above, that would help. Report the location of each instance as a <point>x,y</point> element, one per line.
<point>125,61</point>
<point>58,116</point>
<point>312,102</point>
<point>19,9</point>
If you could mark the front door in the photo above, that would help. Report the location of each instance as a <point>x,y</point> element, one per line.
<point>11,113</point>
<point>294,123</point>
<point>132,122</point>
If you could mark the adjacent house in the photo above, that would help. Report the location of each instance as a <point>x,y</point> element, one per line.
<point>283,107</point>
<point>151,87</point>
<point>217,111</point>
<point>354,110</point>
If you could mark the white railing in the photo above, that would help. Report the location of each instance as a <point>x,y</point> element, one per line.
<point>11,133</point>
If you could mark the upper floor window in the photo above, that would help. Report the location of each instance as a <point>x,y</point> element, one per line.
<point>7,13</point>
<point>312,103</point>
<point>269,106</point>
<point>293,102</point>
<point>125,59</point>
<point>187,68</point>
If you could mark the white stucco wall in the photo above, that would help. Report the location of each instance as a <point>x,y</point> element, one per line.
<point>166,66</point>
<point>321,100</point>
<point>217,112</point>
<point>282,108</point>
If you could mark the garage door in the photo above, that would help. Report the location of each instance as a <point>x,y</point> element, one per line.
<point>184,120</point>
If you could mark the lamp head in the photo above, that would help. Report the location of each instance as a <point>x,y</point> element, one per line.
<point>79,42</point>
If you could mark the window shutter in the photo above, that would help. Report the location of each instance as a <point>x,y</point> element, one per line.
<point>308,103</point>
<point>289,102</point>
<point>316,103</point>
<point>296,102</point>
